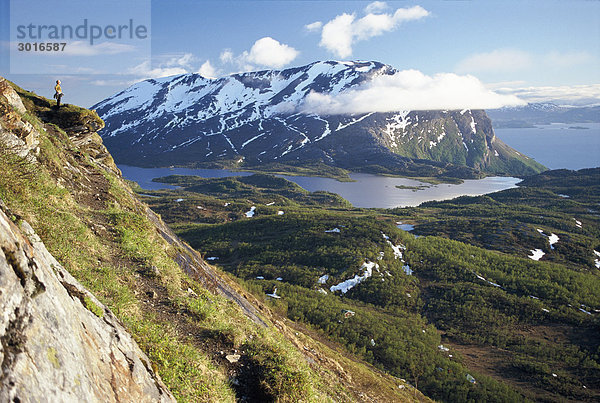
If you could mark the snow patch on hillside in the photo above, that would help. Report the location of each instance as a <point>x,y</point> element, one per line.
<point>552,238</point>
<point>536,254</point>
<point>323,279</point>
<point>345,286</point>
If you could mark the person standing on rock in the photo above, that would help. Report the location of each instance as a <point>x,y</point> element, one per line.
<point>58,94</point>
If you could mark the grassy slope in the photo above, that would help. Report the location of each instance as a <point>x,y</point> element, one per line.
<point>90,220</point>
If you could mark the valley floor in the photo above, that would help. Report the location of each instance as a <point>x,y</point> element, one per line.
<point>456,297</point>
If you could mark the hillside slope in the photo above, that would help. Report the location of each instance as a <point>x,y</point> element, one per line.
<point>204,335</point>
<point>257,118</point>
<point>50,323</point>
<point>502,288</point>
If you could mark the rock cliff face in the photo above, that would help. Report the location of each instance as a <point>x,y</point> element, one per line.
<point>58,341</point>
<point>15,133</point>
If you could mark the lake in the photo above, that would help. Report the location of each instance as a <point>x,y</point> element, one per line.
<point>367,190</point>
<point>557,145</point>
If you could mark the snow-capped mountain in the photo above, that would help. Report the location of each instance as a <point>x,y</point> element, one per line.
<point>258,117</point>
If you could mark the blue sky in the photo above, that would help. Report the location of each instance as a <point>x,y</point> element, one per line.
<point>537,50</point>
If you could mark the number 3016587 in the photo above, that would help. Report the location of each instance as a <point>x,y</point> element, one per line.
<point>41,46</point>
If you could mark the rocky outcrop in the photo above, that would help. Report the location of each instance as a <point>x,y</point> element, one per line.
<point>19,136</point>
<point>16,133</point>
<point>58,342</point>
<point>11,96</point>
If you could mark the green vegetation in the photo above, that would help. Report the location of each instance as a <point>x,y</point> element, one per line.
<point>304,168</point>
<point>102,235</point>
<point>465,297</point>
<point>68,116</point>
<point>93,307</point>
<point>561,202</point>
<point>93,259</point>
<point>452,148</point>
<point>91,221</point>
<point>267,365</point>
<point>460,311</point>
<point>413,188</point>
<point>260,187</point>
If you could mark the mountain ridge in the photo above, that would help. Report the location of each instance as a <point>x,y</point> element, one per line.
<point>543,113</point>
<point>255,118</point>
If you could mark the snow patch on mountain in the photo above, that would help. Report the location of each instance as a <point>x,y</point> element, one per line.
<point>262,116</point>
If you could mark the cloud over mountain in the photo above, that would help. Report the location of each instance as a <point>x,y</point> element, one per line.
<point>269,52</point>
<point>265,52</point>
<point>409,90</point>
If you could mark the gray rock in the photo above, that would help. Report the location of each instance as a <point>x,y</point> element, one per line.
<point>16,134</point>
<point>11,96</point>
<point>52,347</point>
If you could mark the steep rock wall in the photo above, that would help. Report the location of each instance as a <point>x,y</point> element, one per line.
<point>58,342</point>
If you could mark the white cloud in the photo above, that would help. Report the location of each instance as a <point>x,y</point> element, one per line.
<point>162,66</point>
<point>410,90</point>
<point>375,7</point>
<point>165,65</point>
<point>271,53</point>
<point>184,60</point>
<point>563,94</point>
<point>313,27</point>
<point>113,83</point>
<point>339,34</point>
<point>515,60</point>
<point>505,84</point>
<point>144,70</point>
<point>73,69</point>
<point>226,56</point>
<point>170,65</point>
<point>266,52</point>
<point>496,61</point>
<point>207,70</point>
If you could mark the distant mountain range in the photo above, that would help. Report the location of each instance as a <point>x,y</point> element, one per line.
<point>256,118</point>
<point>543,113</point>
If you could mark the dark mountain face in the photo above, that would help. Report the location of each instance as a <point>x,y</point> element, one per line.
<point>257,118</point>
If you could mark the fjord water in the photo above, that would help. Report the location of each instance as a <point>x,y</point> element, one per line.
<point>382,191</point>
<point>559,145</point>
<point>366,190</point>
<point>556,146</point>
